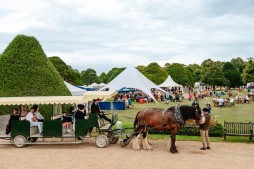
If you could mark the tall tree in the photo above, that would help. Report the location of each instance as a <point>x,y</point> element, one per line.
<point>155,73</point>
<point>248,71</point>
<point>196,69</point>
<point>141,68</point>
<point>67,73</point>
<point>232,74</point>
<point>89,76</point>
<point>102,77</point>
<point>113,73</point>
<point>214,76</point>
<point>180,74</point>
<point>238,63</point>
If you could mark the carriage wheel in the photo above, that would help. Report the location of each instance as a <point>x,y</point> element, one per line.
<point>101,141</point>
<point>20,141</point>
<point>113,140</point>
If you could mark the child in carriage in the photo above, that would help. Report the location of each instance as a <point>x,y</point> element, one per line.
<point>66,122</point>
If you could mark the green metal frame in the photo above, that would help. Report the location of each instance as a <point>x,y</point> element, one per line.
<point>82,126</point>
<point>52,128</point>
<point>20,128</point>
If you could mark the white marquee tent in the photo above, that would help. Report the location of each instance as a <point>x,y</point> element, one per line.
<point>132,78</point>
<point>75,91</point>
<point>93,85</point>
<point>169,82</point>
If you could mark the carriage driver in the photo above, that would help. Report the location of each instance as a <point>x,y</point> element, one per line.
<point>95,109</point>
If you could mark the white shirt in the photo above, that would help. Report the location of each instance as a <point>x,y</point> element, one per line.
<point>38,115</point>
<point>202,120</point>
<point>29,117</point>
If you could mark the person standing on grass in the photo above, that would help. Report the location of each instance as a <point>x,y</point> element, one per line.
<point>204,127</point>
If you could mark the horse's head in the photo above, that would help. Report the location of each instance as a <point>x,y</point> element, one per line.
<point>197,112</point>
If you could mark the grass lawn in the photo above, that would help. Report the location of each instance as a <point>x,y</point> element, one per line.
<point>238,113</point>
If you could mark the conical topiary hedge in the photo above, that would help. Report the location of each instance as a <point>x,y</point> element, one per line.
<point>26,71</point>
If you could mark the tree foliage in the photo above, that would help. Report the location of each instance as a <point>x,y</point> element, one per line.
<point>232,74</point>
<point>214,76</point>
<point>155,73</point>
<point>238,63</point>
<point>113,73</point>
<point>89,76</point>
<point>26,71</point>
<point>248,71</point>
<point>180,74</point>
<point>102,77</point>
<point>67,73</point>
<point>196,71</point>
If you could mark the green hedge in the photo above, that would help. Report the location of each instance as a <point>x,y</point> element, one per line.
<point>26,71</point>
<point>216,131</point>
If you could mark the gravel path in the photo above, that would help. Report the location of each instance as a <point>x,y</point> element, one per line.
<point>88,156</point>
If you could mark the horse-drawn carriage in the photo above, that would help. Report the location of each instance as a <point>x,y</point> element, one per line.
<point>22,133</point>
<point>170,119</point>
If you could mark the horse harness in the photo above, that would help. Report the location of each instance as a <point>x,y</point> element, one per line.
<point>178,115</point>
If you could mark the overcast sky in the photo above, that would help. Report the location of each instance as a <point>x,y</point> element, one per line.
<point>102,34</point>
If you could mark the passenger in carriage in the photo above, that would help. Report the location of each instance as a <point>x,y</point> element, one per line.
<point>95,109</point>
<point>33,120</point>
<point>81,113</point>
<point>66,121</point>
<point>72,112</point>
<point>23,111</point>
<point>14,116</point>
<point>37,114</point>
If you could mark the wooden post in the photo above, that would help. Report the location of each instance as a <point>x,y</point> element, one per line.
<point>225,130</point>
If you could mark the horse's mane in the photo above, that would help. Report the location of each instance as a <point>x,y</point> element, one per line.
<point>187,112</point>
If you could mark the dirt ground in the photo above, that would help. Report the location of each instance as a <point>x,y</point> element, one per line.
<point>88,156</point>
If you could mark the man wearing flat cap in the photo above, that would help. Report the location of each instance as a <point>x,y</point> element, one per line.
<point>204,127</point>
<point>95,109</point>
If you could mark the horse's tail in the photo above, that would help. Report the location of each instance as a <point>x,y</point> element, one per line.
<point>135,122</point>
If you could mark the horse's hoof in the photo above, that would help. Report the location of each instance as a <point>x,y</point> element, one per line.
<point>174,151</point>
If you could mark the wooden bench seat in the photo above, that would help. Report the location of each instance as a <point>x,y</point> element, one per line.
<point>238,129</point>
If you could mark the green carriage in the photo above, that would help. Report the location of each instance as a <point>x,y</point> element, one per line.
<point>22,133</point>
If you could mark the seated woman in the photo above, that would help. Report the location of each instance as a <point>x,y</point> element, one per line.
<point>23,111</point>
<point>66,122</point>
<point>14,116</point>
<point>37,114</point>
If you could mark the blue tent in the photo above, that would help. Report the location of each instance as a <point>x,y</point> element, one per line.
<point>124,89</point>
<point>86,88</point>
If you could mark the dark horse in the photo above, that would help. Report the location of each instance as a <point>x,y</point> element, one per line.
<point>159,119</point>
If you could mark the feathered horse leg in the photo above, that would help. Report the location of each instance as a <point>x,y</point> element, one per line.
<point>136,145</point>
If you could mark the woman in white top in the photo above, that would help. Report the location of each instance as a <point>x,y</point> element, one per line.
<point>37,114</point>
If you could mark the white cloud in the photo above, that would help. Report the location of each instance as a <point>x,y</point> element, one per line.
<point>117,33</point>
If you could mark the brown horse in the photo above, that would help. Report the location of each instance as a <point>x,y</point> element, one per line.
<point>159,119</point>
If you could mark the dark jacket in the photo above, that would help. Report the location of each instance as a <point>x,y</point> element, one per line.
<point>95,109</point>
<point>205,126</point>
<point>8,126</point>
<point>80,115</point>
